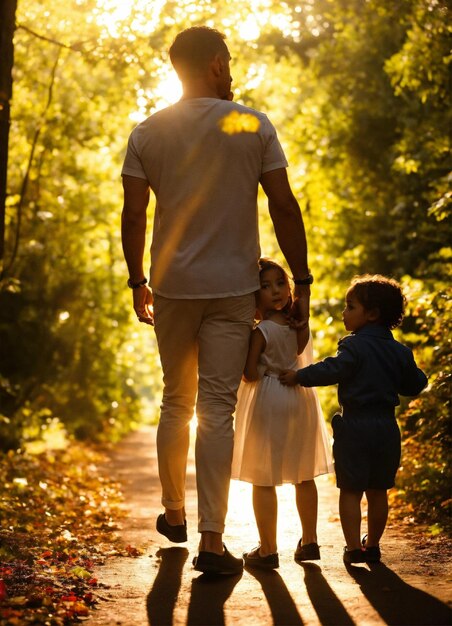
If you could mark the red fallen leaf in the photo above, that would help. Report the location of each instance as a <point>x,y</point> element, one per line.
<point>131,551</point>
<point>9,613</point>
<point>69,598</point>
<point>92,582</point>
<point>6,571</point>
<point>45,554</point>
<point>2,590</point>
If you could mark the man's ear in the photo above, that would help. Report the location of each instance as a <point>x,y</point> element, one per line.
<point>217,65</point>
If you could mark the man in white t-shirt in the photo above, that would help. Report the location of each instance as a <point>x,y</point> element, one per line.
<point>203,158</point>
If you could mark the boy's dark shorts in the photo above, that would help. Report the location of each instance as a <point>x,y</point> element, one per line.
<point>366,451</point>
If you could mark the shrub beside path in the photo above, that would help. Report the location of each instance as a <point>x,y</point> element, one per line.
<point>411,586</point>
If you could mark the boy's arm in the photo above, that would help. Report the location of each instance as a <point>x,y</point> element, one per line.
<point>256,347</point>
<point>414,380</point>
<point>330,371</point>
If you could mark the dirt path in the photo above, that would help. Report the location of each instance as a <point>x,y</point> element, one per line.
<point>411,586</point>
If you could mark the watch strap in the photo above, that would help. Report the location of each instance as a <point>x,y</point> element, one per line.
<point>141,283</point>
<point>304,281</point>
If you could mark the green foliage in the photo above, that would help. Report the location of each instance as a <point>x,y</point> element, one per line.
<point>67,344</point>
<point>359,93</point>
<point>425,477</point>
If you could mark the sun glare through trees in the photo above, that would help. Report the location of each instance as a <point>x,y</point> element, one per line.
<point>359,92</point>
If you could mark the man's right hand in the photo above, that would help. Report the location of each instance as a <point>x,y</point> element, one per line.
<point>143,301</point>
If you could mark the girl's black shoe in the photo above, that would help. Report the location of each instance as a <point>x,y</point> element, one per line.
<point>354,556</point>
<point>308,552</point>
<point>372,553</point>
<point>254,559</point>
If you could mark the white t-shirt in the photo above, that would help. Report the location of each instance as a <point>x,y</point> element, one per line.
<point>203,159</point>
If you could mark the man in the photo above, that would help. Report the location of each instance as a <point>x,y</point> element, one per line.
<point>203,158</point>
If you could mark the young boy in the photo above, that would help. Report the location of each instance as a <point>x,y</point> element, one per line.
<point>371,370</point>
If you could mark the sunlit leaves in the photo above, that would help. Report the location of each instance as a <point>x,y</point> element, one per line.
<point>58,517</point>
<point>420,68</point>
<point>359,94</point>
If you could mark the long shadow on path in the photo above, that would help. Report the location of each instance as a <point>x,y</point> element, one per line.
<point>397,602</point>
<point>283,609</point>
<point>329,609</point>
<point>162,598</point>
<point>207,599</point>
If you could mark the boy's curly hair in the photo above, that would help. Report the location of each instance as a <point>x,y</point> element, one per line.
<point>382,293</point>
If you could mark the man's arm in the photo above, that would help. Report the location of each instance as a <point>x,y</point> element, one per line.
<point>133,224</point>
<point>290,233</point>
<point>133,234</point>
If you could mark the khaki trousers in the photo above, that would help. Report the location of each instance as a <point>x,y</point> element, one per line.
<point>203,346</point>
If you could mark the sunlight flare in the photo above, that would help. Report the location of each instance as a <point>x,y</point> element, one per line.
<point>236,122</point>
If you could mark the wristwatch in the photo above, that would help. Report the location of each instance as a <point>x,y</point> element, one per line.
<point>304,281</point>
<point>132,285</point>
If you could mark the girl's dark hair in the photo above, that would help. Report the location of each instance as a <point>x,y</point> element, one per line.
<point>381,293</point>
<point>194,47</point>
<point>267,264</point>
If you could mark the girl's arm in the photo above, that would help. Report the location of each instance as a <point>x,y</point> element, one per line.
<point>302,338</point>
<point>256,347</point>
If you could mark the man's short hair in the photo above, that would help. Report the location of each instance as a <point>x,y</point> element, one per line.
<point>195,47</point>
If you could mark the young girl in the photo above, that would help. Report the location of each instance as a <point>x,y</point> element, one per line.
<point>280,434</point>
<point>372,369</point>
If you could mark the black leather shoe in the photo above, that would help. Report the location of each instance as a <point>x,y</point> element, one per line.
<point>307,552</point>
<point>176,534</point>
<point>212,563</point>
<point>254,559</point>
<point>354,556</point>
<point>372,553</point>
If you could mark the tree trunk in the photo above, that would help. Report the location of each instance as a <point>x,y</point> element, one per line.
<point>7,27</point>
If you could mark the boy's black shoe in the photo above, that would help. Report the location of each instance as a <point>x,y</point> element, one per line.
<point>308,552</point>
<point>372,553</point>
<point>212,563</point>
<point>354,556</point>
<point>176,534</point>
<point>254,559</point>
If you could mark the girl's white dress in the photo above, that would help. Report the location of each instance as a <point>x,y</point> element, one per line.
<point>280,433</point>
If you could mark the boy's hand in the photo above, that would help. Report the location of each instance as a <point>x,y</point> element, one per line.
<point>288,378</point>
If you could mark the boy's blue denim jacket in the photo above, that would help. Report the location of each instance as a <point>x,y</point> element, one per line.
<point>371,369</point>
